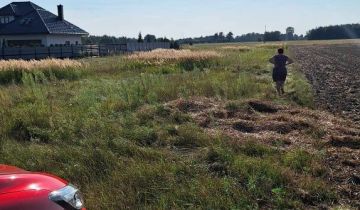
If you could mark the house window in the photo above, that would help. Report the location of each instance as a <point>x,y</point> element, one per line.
<point>6,19</point>
<point>77,43</point>
<point>25,21</point>
<point>24,43</point>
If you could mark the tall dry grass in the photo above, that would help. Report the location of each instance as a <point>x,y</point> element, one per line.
<point>47,64</point>
<point>163,56</point>
<point>13,71</point>
<point>237,48</point>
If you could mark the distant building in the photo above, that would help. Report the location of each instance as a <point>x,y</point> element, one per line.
<point>290,31</point>
<point>27,24</point>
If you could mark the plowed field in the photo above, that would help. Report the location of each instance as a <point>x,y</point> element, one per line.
<point>334,71</point>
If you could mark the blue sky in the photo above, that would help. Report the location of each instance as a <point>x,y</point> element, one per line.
<point>185,18</point>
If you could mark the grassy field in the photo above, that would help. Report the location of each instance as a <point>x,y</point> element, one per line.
<point>107,128</point>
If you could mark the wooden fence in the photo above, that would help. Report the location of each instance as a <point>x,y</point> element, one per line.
<point>77,51</point>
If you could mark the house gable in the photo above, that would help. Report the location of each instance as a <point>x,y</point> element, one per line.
<point>31,23</point>
<point>7,11</point>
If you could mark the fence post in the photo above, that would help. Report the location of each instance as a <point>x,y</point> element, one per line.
<point>99,50</point>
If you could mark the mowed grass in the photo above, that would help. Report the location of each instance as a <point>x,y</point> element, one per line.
<point>110,133</point>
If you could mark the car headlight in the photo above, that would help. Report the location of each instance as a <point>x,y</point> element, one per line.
<point>68,197</point>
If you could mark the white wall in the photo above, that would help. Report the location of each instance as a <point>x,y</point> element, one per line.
<point>46,40</point>
<point>61,39</point>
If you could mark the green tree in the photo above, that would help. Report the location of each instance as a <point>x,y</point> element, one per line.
<point>230,37</point>
<point>174,44</point>
<point>150,38</point>
<point>140,39</point>
<point>348,31</point>
<point>216,37</point>
<point>221,36</point>
<point>272,36</point>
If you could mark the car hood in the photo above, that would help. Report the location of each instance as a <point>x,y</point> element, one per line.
<point>4,169</point>
<point>13,179</point>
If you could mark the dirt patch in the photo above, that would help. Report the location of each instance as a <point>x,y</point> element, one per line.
<point>352,163</point>
<point>285,128</point>
<point>244,126</point>
<point>189,106</point>
<point>352,142</point>
<point>264,107</point>
<point>334,71</point>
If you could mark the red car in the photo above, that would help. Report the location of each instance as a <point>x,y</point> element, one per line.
<point>23,190</point>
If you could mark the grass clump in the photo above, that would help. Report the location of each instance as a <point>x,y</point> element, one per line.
<point>298,160</point>
<point>189,135</point>
<point>315,191</point>
<point>259,176</point>
<point>303,162</point>
<point>300,90</point>
<point>253,149</point>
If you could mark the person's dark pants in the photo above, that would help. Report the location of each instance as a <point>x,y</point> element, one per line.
<point>280,87</point>
<point>279,77</point>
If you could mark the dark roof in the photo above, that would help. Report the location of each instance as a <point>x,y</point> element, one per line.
<point>32,19</point>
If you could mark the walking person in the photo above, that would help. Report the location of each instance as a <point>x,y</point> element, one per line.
<point>280,62</point>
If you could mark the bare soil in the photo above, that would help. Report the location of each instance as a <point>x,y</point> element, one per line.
<point>287,128</point>
<point>334,71</point>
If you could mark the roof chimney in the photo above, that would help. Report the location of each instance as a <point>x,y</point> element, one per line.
<point>61,12</point>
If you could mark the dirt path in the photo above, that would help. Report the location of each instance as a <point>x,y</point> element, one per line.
<point>334,71</point>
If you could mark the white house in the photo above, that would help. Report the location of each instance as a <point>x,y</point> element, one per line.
<point>27,24</point>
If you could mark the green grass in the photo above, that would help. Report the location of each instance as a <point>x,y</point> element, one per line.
<point>109,133</point>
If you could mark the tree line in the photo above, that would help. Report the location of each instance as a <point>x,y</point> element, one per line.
<point>96,40</point>
<point>250,37</point>
<point>105,39</point>
<point>216,38</point>
<point>347,31</point>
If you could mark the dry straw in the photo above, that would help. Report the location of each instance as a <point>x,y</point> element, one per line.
<point>237,48</point>
<point>164,55</point>
<point>47,64</point>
